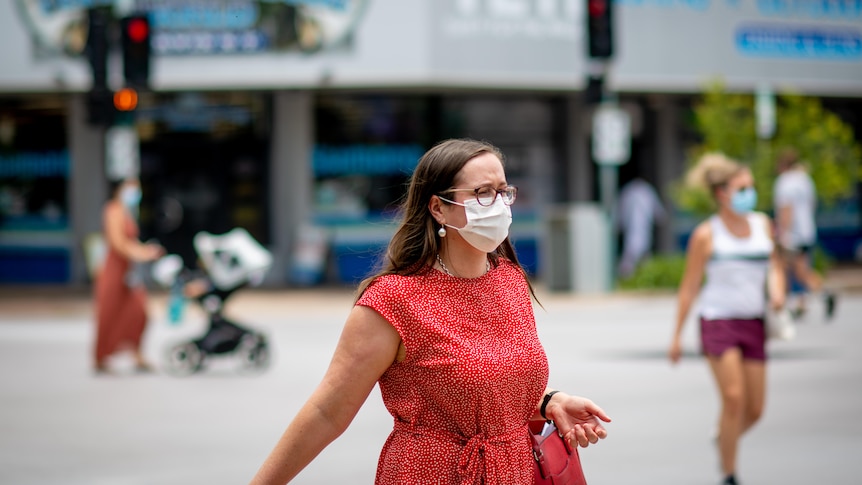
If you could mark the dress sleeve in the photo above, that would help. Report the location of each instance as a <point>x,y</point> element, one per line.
<point>384,297</point>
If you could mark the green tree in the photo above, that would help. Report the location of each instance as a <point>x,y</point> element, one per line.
<point>726,123</point>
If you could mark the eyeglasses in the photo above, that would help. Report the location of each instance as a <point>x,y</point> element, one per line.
<point>486,196</point>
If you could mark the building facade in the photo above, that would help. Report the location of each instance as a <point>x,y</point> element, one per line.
<point>301,120</point>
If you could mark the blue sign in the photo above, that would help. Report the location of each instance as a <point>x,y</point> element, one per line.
<point>204,42</point>
<point>835,9</point>
<point>181,15</point>
<point>810,42</point>
<point>365,159</point>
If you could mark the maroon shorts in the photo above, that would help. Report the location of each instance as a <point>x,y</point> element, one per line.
<point>748,335</point>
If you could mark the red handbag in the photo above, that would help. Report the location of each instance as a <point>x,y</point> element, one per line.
<point>555,462</point>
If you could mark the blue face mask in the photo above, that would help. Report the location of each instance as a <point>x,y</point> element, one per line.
<point>744,201</point>
<point>131,196</point>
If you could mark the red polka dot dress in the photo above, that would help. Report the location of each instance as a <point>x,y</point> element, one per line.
<point>472,375</point>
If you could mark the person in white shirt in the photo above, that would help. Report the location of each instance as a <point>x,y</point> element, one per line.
<point>639,207</point>
<point>795,203</point>
<point>729,261</point>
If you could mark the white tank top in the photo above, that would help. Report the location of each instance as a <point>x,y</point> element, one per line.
<point>736,273</point>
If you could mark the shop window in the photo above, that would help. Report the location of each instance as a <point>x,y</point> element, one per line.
<point>365,150</point>
<point>204,166</point>
<point>34,174</point>
<point>368,145</point>
<point>34,165</point>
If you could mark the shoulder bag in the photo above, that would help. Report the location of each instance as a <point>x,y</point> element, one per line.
<point>555,462</point>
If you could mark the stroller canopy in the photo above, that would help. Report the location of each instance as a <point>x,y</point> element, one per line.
<point>232,259</point>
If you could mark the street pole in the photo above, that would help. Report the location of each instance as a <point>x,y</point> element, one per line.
<point>611,148</point>
<point>609,175</point>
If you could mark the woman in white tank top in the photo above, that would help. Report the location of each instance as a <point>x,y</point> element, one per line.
<point>734,249</point>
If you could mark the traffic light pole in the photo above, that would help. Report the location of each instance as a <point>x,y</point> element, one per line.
<point>608,181</point>
<point>611,126</point>
<point>112,114</point>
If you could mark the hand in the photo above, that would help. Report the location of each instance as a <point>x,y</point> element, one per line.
<point>578,419</point>
<point>776,302</point>
<point>195,288</point>
<point>153,252</point>
<point>675,350</point>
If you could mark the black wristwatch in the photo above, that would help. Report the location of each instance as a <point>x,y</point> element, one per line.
<point>545,402</point>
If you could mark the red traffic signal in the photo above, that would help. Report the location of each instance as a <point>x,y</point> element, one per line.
<point>138,30</point>
<point>135,36</point>
<point>600,28</point>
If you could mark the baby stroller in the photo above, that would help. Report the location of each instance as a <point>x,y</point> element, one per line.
<point>229,262</point>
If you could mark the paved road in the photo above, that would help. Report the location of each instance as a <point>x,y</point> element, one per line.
<point>61,425</point>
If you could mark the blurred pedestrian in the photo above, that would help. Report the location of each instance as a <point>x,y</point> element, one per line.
<point>734,249</point>
<point>120,296</point>
<point>796,228</point>
<point>447,330</point>
<point>638,209</point>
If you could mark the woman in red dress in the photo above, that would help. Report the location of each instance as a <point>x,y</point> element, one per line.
<point>446,328</point>
<point>120,301</point>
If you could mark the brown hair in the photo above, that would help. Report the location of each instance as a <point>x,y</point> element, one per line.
<point>415,244</point>
<point>712,171</point>
<point>787,158</point>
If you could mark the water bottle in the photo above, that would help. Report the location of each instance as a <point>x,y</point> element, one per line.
<point>176,302</point>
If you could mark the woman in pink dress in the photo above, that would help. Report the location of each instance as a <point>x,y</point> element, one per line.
<point>121,302</point>
<point>446,328</point>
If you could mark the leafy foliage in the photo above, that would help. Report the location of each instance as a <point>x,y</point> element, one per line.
<point>657,272</point>
<point>664,272</point>
<point>825,143</point>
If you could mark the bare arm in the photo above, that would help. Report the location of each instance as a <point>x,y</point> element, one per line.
<point>783,220</point>
<point>115,233</point>
<point>776,278</point>
<point>367,347</point>
<point>697,254</point>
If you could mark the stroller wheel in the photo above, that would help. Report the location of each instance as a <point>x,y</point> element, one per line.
<point>184,359</point>
<point>253,353</point>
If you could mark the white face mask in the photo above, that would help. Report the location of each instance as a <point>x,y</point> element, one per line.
<point>487,227</point>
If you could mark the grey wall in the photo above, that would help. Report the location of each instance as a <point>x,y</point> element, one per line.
<point>536,44</point>
<point>681,45</point>
<point>87,183</point>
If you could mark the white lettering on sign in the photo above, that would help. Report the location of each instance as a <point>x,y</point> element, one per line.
<point>540,19</point>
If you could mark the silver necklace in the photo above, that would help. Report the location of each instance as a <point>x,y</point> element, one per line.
<point>446,270</point>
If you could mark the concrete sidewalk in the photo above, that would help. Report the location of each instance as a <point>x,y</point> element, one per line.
<point>60,424</point>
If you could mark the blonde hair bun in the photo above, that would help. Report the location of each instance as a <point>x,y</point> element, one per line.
<point>711,171</point>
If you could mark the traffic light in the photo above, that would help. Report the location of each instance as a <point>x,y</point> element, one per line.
<point>97,46</point>
<point>135,38</point>
<point>594,92</point>
<point>126,100</point>
<point>100,107</point>
<point>600,28</point>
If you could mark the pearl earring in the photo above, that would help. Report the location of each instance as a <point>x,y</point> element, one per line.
<point>441,232</point>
